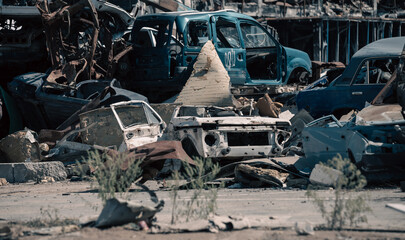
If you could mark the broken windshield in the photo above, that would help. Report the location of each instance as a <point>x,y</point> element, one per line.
<point>131,115</point>
<point>254,36</point>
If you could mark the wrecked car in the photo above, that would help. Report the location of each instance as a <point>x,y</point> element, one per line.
<point>45,105</point>
<point>124,125</point>
<point>166,45</point>
<point>214,132</point>
<point>373,139</point>
<point>368,71</point>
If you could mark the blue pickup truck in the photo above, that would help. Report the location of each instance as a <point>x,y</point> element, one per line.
<point>368,71</point>
<point>166,44</point>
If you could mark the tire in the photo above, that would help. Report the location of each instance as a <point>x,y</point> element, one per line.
<point>300,76</point>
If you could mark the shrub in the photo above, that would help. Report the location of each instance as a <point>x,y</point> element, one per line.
<point>202,202</point>
<point>346,208</point>
<point>113,172</point>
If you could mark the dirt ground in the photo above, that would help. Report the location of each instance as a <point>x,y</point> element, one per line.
<point>76,200</point>
<point>251,234</point>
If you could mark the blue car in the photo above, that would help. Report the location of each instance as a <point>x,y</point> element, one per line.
<point>368,71</point>
<point>166,44</point>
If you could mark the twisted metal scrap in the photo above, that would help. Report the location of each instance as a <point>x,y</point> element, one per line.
<point>54,16</point>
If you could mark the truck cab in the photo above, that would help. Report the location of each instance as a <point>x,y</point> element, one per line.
<point>166,45</point>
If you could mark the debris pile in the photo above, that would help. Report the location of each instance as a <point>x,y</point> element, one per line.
<point>267,137</point>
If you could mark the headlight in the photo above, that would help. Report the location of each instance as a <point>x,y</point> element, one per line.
<point>210,139</point>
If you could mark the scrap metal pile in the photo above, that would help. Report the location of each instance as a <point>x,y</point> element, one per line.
<point>77,106</point>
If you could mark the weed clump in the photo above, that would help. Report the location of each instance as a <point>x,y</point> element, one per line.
<point>345,208</point>
<point>112,172</point>
<point>203,200</point>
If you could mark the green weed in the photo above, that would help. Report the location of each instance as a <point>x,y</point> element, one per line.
<point>109,174</point>
<point>203,200</point>
<point>346,208</point>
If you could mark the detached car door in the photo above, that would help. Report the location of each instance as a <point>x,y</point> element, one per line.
<point>139,123</point>
<point>227,41</point>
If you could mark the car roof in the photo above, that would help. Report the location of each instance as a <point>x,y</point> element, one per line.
<point>382,48</point>
<point>182,17</point>
<point>193,14</point>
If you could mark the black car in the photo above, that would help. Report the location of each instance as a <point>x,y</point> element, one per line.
<point>44,105</point>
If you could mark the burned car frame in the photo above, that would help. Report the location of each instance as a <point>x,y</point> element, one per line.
<point>166,45</point>
<point>123,125</point>
<point>47,105</point>
<point>214,132</point>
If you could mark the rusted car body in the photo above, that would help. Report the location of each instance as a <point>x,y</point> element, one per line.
<point>44,105</point>
<point>125,125</point>
<point>214,132</point>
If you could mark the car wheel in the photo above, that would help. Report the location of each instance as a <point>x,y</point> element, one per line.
<point>299,76</point>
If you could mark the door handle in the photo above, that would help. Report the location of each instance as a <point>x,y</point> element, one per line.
<point>357,93</point>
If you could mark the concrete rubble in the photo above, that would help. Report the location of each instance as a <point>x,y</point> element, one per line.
<point>215,224</point>
<point>325,176</point>
<point>20,147</point>
<point>209,82</point>
<point>32,171</point>
<point>398,207</point>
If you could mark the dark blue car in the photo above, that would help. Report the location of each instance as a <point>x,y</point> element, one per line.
<point>368,71</point>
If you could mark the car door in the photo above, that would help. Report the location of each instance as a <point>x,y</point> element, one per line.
<point>139,123</point>
<point>368,81</point>
<point>227,41</point>
<point>264,62</point>
<point>196,35</point>
<point>321,101</point>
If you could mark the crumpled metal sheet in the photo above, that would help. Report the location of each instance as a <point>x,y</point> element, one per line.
<point>118,212</point>
<point>154,156</point>
<point>67,73</point>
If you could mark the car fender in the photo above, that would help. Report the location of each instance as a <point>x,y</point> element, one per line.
<point>296,59</point>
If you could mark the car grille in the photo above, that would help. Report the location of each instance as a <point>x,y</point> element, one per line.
<point>248,139</point>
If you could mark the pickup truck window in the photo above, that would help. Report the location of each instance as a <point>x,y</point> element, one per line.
<point>197,33</point>
<point>254,36</point>
<point>151,34</point>
<point>227,34</point>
